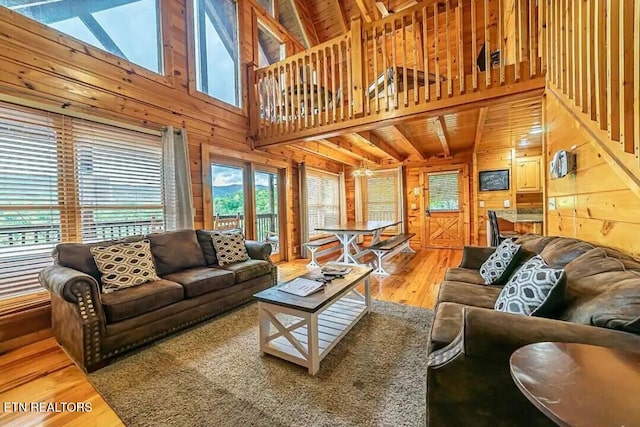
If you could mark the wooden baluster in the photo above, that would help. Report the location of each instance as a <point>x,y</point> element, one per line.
<point>533,60</point>
<point>311,89</point>
<point>334,108</point>
<point>558,38</point>
<point>448,42</point>
<point>425,49</point>
<point>299,93</point>
<point>316,89</point>
<point>626,76</point>
<point>518,38</point>
<point>284,88</point>
<point>350,76</point>
<point>636,78</point>
<point>394,64</point>
<point>270,101</point>
<point>474,44</point>
<point>596,34</point>
<point>365,74</point>
<point>405,76</point>
<point>568,27</point>
<point>325,84</point>
<point>274,102</point>
<point>613,69</point>
<point>306,87</point>
<point>375,72</point>
<point>356,73</point>
<point>436,52</point>
<point>281,104</point>
<point>385,62</point>
<point>345,90</point>
<point>414,52</point>
<point>487,46</point>
<point>582,53</point>
<point>575,21</point>
<point>460,25</point>
<point>542,36</point>
<point>503,58</point>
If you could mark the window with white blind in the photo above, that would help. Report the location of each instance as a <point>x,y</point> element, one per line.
<point>64,180</point>
<point>444,192</point>
<point>382,197</point>
<point>323,206</point>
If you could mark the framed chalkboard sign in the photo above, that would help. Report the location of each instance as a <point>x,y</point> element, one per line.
<point>497,180</point>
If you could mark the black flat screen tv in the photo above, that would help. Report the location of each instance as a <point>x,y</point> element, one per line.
<point>497,180</point>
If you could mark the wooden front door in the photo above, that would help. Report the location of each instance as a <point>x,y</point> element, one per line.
<point>446,209</point>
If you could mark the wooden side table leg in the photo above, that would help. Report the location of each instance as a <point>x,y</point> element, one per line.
<point>313,347</point>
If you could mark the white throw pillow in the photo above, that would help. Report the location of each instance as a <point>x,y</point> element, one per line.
<point>229,246</point>
<point>500,263</point>
<point>124,265</point>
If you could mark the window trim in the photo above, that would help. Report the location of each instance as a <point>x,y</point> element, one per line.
<point>80,47</point>
<point>192,67</point>
<point>460,191</point>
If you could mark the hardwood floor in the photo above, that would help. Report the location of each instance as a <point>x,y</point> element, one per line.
<point>42,372</point>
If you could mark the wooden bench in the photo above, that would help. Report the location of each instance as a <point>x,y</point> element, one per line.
<point>389,248</point>
<point>313,247</point>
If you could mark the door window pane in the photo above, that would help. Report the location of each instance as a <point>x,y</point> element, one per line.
<point>228,191</point>
<point>126,28</point>
<point>267,208</point>
<point>216,49</point>
<point>444,193</point>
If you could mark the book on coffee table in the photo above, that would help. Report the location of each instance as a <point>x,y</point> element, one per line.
<point>329,270</point>
<point>301,287</point>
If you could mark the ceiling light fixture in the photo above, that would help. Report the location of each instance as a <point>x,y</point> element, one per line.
<point>362,171</point>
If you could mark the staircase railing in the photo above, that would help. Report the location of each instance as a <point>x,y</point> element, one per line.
<point>400,64</point>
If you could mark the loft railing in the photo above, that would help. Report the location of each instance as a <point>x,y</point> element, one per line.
<point>402,64</point>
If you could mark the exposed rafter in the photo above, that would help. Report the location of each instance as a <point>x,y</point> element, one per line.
<point>443,135</point>
<point>322,150</point>
<point>370,138</point>
<point>341,144</point>
<point>364,11</point>
<point>401,133</point>
<point>342,15</point>
<point>482,118</point>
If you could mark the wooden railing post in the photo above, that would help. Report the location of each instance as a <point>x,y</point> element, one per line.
<point>357,67</point>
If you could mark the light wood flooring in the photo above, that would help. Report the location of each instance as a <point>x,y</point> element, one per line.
<point>42,372</point>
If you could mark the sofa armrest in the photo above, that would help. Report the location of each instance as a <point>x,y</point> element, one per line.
<point>474,256</point>
<point>66,283</point>
<point>495,335</point>
<point>258,250</point>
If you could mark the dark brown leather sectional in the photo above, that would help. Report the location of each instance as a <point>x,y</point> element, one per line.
<point>469,381</point>
<point>95,327</point>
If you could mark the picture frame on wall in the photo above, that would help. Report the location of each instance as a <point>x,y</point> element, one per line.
<point>495,180</point>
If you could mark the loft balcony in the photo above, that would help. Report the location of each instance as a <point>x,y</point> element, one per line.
<point>420,61</point>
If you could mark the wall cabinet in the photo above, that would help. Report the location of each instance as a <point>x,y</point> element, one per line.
<point>528,174</point>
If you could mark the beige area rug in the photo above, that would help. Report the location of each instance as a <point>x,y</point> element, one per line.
<point>213,375</point>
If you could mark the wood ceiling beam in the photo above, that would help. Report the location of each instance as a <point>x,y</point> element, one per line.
<point>322,150</point>
<point>364,11</point>
<point>303,17</point>
<point>342,15</point>
<point>443,135</point>
<point>347,147</point>
<point>369,137</point>
<point>482,118</point>
<point>401,132</point>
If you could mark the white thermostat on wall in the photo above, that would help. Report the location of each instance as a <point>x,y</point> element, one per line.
<point>416,191</point>
<point>507,204</point>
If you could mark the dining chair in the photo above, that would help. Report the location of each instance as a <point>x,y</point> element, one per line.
<point>496,236</point>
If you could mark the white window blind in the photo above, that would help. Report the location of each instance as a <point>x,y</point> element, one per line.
<point>444,192</point>
<point>382,196</point>
<point>66,180</point>
<point>119,176</point>
<point>323,194</point>
<point>30,217</point>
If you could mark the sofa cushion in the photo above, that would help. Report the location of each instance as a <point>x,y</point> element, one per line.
<point>535,290</point>
<point>497,269</point>
<point>534,243</point>
<point>230,248</point>
<point>466,275</point>
<point>248,270</point>
<point>204,238</point>
<point>137,300</point>
<point>446,325</point>
<point>176,251</point>
<point>562,251</point>
<point>124,265</point>
<point>468,294</point>
<point>201,280</point>
<point>78,255</point>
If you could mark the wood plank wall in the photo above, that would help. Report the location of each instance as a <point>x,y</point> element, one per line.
<point>44,66</point>
<point>595,204</point>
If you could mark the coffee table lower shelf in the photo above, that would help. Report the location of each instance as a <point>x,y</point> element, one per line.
<point>309,337</point>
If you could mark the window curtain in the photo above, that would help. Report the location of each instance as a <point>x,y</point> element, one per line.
<point>178,196</point>
<point>304,208</point>
<point>402,199</point>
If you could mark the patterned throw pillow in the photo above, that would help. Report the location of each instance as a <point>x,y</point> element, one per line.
<point>499,266</point>
<point>230,247</point>
<point>124,265</point>
<point>535,290</point>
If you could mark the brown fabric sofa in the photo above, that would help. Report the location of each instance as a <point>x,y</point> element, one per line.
<point>468,379</point>
<point>95,327</point>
